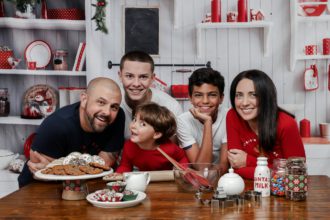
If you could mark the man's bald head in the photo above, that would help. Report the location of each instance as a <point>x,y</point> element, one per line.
<point>102,82</point>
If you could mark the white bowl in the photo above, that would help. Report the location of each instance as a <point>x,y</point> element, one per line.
<point>6,157</point>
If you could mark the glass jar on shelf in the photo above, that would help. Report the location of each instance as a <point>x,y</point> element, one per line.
<point>60,60</point>
<point>4,102</point>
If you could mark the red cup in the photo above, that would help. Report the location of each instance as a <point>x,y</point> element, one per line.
<point>326,46</point>
<point>310,49</point>
<point>32,65</point>
<point>216,11</point>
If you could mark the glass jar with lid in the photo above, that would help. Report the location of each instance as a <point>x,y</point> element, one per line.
<point>296,179</point>
<point>4,102</point>
<point>60,60</point>
<point>277,177</point>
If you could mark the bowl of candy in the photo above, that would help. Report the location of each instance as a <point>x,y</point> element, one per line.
<point>118,186</point>
<point>197,176</point>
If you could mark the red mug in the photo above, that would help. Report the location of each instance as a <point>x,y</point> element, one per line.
<point>32,65</point>
<point>326,46</point>
<point>311,49</point>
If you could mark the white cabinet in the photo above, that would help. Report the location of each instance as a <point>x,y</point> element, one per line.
<point>318,159</point>
<point>297,21</point>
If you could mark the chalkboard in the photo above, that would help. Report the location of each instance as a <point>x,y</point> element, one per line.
<point>142,30</point>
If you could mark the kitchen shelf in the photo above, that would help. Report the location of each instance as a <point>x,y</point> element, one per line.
<point>17,120</point>
<point>312,57</point>
<point>295,19</point>
<point>47,24</point>
<point>313,18</point>
<point>41,72</point>
<point>226,25</point>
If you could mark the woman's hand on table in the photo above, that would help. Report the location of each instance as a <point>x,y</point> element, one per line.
<point>237,158</point>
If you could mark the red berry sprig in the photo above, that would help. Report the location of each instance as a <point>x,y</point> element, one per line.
<point>99,16</point>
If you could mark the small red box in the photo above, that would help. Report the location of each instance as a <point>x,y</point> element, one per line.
<point>180,91</point>
<point>4,55</point>
<point>66,14</point>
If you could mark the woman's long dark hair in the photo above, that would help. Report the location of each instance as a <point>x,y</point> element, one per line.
<point>267,105</point>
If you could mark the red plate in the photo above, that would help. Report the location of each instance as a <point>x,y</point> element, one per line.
<point>40,52</point>
<point>39,101</point>
<point>314,10</point>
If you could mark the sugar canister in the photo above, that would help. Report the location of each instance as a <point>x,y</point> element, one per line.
<point>60,60</point>
<point>4,102</point>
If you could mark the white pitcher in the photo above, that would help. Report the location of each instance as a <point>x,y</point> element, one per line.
<point>137,180</point>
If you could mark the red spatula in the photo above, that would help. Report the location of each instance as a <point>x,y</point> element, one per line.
<point>190,175</point>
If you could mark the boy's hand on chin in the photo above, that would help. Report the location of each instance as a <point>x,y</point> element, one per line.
<point>202,117</point>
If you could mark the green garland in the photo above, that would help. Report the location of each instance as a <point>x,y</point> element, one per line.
<point>99,16</point>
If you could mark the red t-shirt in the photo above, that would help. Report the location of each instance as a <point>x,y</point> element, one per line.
<point>241,136</point>
<point>148,160</point>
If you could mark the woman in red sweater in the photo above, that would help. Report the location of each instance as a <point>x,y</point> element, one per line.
<point>257,126</point>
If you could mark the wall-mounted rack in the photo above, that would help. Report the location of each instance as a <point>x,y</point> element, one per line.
<point>208,64</point>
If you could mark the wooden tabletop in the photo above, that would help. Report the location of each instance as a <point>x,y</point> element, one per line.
<point>164,200</point>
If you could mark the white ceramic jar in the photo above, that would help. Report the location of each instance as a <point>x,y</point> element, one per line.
<point>231,183</point>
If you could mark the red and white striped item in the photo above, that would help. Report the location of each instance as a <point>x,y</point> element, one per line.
<point>66,13</point>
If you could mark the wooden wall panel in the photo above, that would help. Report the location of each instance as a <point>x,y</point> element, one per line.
<point>229,50</point>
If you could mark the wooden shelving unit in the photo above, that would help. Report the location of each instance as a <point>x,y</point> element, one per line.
<point>41,72</point>
<point>17,120</point>
<point>267,27</point>
<point>42,24</point>
<point>295,20</point>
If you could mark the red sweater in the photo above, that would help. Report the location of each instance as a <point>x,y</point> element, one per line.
<point>148,160</point>
<point>240,136</point>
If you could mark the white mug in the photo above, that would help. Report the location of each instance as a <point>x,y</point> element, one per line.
<point>137,180</point>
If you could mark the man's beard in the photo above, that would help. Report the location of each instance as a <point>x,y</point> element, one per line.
<point>94,126</point>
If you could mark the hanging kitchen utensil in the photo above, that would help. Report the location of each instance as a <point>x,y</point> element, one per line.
<point>311,78</point>
<point>329,77</point>
<point>182,71</point>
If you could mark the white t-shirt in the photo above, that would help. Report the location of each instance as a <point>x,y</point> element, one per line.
<point>159,97</point>
<point>190,131</point>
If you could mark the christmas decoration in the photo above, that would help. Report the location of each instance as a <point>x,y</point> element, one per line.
<point>99,16</point>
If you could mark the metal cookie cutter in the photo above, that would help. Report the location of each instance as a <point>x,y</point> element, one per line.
<point>252,198</point>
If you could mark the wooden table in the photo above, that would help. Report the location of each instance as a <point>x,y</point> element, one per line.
<point>165,200</point>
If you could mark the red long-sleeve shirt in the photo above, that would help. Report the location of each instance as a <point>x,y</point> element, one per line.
<point>240,136</point>
<point>148,160</point>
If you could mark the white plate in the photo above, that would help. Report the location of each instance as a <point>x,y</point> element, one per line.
<point>141,196</point>
<point>42,176</point>
<point>40,52</point>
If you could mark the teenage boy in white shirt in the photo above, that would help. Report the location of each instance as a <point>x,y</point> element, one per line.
<point>202,130</point>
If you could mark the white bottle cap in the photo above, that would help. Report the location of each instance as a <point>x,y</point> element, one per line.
<point>262,161</point>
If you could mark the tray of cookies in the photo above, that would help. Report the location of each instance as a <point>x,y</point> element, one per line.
<point>75,166</point>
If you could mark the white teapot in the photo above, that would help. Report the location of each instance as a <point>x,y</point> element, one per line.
<point>137,180</point>
<point>231,183</point>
